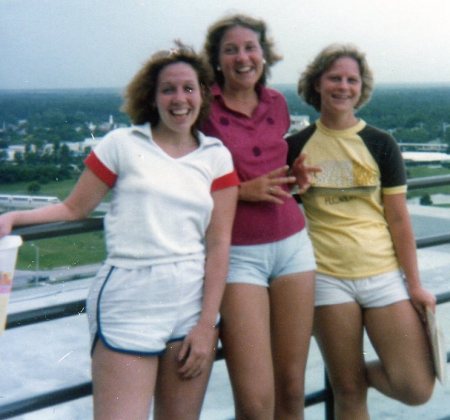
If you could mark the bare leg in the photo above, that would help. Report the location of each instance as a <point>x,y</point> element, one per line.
<point>292,307</point>
<point>245,334</point>
<point>405,370</point>
<point>123,384</point>
<point>339,333</point>
<point>177,398</point>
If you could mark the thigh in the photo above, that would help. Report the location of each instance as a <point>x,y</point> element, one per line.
<point>123,384</point>
<point>400,340</point>
<point>338,330</point>
<point>245,334</point>
<point>292,308</point>
<point>175,397</point>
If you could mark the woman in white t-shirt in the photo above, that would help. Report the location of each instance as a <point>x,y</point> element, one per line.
<point>153,307</point>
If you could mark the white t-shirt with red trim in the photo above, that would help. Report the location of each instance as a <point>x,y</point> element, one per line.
<point>161,206</point>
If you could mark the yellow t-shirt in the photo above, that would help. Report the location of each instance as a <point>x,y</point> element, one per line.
<point>344,204</point>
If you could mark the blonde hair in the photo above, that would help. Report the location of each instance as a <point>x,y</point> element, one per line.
<point>306,86</point>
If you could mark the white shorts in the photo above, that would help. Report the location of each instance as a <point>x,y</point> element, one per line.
<point>260,264</point>
<point>139,311</point>
<point>371,292</point>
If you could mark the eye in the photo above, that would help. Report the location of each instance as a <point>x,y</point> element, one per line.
<point>229,49</point>
<point>189,89</point>
<point>166,90</point>
<point>251,47</point>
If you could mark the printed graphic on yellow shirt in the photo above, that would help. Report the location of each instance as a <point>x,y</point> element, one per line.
<point>343,178</point>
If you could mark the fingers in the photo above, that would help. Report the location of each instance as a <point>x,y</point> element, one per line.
<point>193,364</point>
<point>276,194</point>
<point>279,172</point>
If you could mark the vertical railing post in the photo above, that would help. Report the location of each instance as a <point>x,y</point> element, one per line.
<point>329,399</point>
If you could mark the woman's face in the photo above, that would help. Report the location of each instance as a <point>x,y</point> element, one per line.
<point>241,58</point>
<point>340,87</point>
<point>178,96</point>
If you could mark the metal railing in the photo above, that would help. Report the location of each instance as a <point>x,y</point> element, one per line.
<point>49,313</point>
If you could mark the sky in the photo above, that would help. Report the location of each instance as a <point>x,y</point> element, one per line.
<point>55,44</point>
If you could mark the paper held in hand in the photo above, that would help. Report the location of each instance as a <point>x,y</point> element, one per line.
<point>9,246</point>
<point>437,341</point>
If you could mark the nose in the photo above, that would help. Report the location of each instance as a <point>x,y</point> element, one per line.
<point>343,83</point>
<point>179,94</point>
<point>242,54</point>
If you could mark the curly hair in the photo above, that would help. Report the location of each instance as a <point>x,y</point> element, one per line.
<point>306,86</point>
<point>140,94</point>
<point>216,32</point>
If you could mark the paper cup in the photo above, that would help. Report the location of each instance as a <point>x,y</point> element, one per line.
<point>9,246</point>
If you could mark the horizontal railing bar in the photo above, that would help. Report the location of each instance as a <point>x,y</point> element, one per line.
<point>442,298</point>
<point>33,316</point>
<point>48,399</point>
<point>51,230</point>
<point>428,181</point>
<point>434,240</point>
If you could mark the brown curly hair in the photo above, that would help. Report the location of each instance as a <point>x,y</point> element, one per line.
<point>216,32</point>
<point>306,86</point>
<point>140,94</point>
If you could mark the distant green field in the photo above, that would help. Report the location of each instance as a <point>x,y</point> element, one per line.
<point>59,189</point>
<point>86,248</point>
<point>65,251</point>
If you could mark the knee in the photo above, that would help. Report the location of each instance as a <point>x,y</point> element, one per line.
<point>255,407</point>
<point>350,393</point>
<point>291,393</point>
<point>416,393</point>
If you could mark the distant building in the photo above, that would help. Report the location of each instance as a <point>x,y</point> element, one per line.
<point>298,122</point>
<point>423,147</point>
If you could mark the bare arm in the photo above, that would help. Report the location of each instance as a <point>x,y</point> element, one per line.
<point>200,342</point>
<point>86,195</point>
<point>399,221</point>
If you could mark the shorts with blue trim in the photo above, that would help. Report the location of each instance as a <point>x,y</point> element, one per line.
<point>370,292</point>
<point>261,264</point>
<point>139,311</point>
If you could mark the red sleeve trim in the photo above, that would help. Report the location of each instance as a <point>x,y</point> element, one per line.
<point>229,180</point>
<point>99,169</point>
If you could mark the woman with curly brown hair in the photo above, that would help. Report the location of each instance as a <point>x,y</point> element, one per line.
<point>153,307</point>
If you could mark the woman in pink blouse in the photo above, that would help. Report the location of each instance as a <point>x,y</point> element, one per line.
<point>267,308</point>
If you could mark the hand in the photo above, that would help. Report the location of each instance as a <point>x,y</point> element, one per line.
<point>197,351</point>
<point>6,224</point>
<point>421,299</point>
<point>303,173</point>
<point>268,187</point>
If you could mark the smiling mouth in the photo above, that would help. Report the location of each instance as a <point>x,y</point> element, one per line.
<point>180,112</point>
<point>244,70</point>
